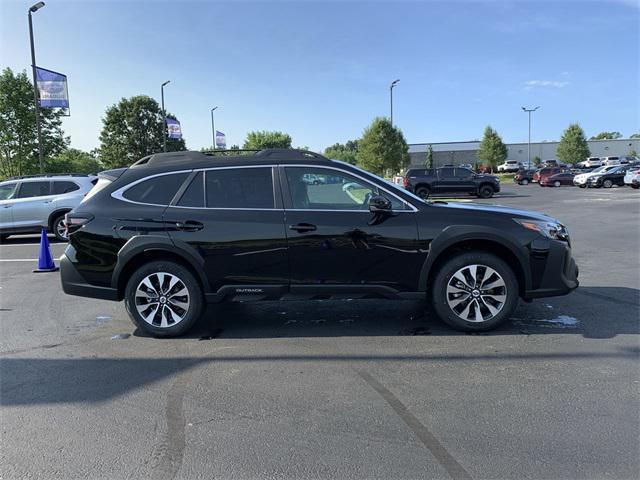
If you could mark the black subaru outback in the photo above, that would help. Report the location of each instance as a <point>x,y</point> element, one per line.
<point>176,230</point>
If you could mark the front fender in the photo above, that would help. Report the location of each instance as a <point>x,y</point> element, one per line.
<point>455,234</point>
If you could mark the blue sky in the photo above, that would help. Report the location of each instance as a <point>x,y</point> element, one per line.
<point>321,70</point>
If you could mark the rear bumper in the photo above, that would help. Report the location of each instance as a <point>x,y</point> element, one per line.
<point>554,271</point>
<point>74,284</point>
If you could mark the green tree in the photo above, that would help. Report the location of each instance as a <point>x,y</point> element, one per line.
<point>73,160</point>
<point>633,153</point>
<point>382,148</point>
<point>346,152</point>
<point>537,160</point>
<point>429,159</point>
<point>606,136</point>
<point>18,133</point>
<point>492,150</point>
<point>133,129</point>
<point>259,140</point>
<point>635,135</point>
<point>573,146</point>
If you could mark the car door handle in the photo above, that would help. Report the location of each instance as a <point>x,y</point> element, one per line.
<point>189,226</point>
<point>303,227</point>
<point>47,201</point>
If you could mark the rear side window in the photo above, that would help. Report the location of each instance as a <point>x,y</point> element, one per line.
<point>239,188</point>
<point>193,196</point>
<point>157,190</point>
<point>446,172</point>
<point>6,190</point>
<point>34,189</point>
<point>60,187</point>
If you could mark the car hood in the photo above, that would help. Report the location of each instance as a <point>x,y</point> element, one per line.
<point>513,212</point>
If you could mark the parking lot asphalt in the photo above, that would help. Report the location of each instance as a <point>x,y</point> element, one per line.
<point>334,389</point>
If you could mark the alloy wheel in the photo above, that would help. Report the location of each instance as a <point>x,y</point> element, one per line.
<point>61,229</point>
<point>476,293</point>
<point>162,299</point>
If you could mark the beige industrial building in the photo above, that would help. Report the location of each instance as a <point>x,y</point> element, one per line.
<point>456,153</point>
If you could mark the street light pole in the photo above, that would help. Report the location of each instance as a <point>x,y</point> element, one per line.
<point>35,8</point>
<point>393,84</point>
<point>529,110</point>
<point>213,128</point>
<point>164,118</point>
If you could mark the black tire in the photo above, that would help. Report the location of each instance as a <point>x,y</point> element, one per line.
<point>635,187</point>
<point>56,228</point>
<point>524,182</point>
<point>195,298</point>
<point>3,237</point>
<point>453,265</point>
<point>607,183</point>
<point>582,186</point>
<point>423,192</point>
<point>556,183</point>
<point>485,191</point>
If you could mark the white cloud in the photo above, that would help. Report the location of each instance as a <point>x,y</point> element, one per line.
<point>544,83</point>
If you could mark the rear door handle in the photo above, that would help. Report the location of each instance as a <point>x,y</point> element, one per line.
<point>303,227</point>
<point>189,226</point>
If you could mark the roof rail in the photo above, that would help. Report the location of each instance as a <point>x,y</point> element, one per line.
<point>290,153</point>
<point>48,175</point>
<point>229,152</point>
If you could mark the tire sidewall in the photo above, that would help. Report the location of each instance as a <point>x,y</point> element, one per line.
<point>556,184</point>
<point>485,191</point>
<point>607,184</point>
<point>192,285</point>
<point>423,192</point>
<point>444,274</point>
<point>54,228</point>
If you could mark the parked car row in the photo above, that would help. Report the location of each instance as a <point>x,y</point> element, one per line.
<point>593,162</point>
<point>605,176</point>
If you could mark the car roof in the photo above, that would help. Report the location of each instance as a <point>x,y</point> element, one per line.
<point>223,158</point>
<point>49,177</point>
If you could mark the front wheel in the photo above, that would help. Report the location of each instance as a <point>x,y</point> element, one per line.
<point>163,299</point>
<point>485,191</point>
<point>607,183</point>
<point>524,182</point>
<point>475,291</point>
<point>556,183</point>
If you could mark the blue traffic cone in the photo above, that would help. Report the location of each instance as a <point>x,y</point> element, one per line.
<point>45,261</point>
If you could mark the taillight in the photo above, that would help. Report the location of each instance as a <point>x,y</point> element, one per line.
<point>73,221</point>
<point>405,181</point>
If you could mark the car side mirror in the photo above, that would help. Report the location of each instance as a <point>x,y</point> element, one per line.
<point>379,204</point>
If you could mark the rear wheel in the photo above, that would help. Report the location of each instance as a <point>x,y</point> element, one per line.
<point>556,183</point>
<point>524,182</point>
<point>423,192</point>
<point>163,299</point>
<point>485,191</point>
<point>59,229</point>
<point>475,291</point>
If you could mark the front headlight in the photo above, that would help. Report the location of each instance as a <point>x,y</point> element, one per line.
<point>553,230</point>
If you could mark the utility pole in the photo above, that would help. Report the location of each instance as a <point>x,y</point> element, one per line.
<point>529,110</point>
<point>213,128</point>
<point>393,84</point>
<point>33,9</point>
<point>164,118</point>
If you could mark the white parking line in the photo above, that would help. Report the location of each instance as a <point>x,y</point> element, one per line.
<point>18,259</point>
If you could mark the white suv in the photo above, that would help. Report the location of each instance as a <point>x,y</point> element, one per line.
<point>27,204</point>
<point>509,166</point>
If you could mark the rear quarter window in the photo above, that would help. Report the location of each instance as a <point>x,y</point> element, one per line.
<point>157,190</point>
<point>61,187</point>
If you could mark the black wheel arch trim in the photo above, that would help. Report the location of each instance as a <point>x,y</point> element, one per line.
<point>55,214</point>
<point>147,243</point>
<point>455,234</point>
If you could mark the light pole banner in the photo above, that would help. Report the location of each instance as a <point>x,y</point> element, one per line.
<point>52,87</point>
<point>221,140</point>
<point>173,128</point>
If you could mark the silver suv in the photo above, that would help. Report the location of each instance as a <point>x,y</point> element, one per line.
<point>27,204</point>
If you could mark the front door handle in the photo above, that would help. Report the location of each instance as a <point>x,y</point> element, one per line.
<point>189,226</point>
<point>303,227</point>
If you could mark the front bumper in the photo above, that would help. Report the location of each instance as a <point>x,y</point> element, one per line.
<point>74,284</point>
<point>553,270</point>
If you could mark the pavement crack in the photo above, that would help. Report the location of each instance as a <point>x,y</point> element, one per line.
<point>444,458</point>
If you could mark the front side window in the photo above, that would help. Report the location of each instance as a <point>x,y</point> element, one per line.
<point>157,190</point>
<point>6,191</point>
<point>239,188</point>
<point>34,189</point>
<point>331,190</point>
<point>463,173</point>
<point>446,172</point>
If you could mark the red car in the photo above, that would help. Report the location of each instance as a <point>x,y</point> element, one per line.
<point>547,172</point>
<point>557,180</point>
